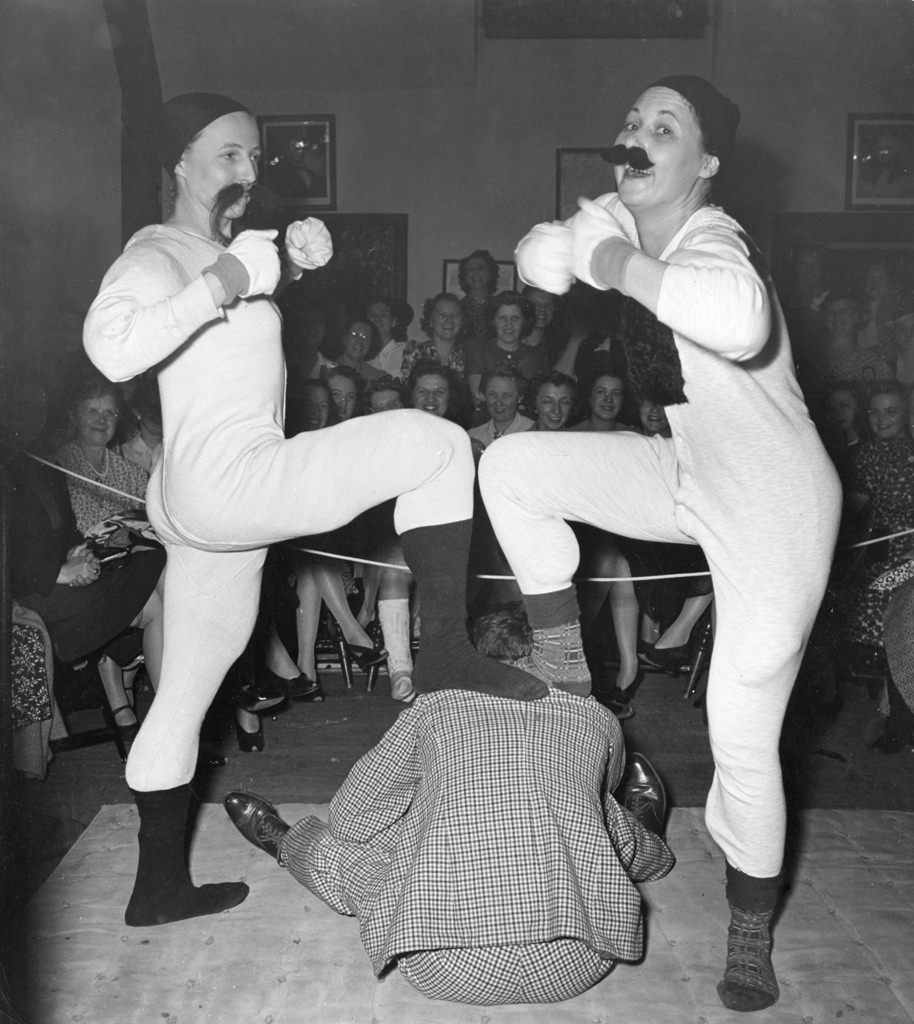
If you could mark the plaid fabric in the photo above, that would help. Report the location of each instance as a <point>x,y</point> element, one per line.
<point>479,822</point>
<point>542,972</point>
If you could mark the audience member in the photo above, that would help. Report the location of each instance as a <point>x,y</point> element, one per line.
<point>844,358</point>
<point>552,399</point>
<point>94,409</point>
<point>390,318</point>
<point>359,342</point>
<point>477,275</point>
<point>84,603</point>
<point>879,303</point>
<point>510,319</point>
<point>438,390</point>
<point>880,487</point>
<point>442,322</point>
<point>502,390</point>
<point>347,390</point>
<point>605,395</point>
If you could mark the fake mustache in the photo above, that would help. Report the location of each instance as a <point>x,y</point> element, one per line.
<point>634,156</point>
<point>231,194</point>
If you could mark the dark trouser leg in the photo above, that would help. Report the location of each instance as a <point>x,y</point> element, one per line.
<point>163,891</point>
<point>749,982</point>
<point>437,556</point>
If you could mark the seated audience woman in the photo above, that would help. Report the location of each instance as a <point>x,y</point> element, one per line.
<point>880,490</point>
<point>842,424</point>
<point>548,329</point>
<point>84,603</point>
<point>511,319</point>
<point>552,396</point>
<point>94,409</point>
<point>347,390</point>
<point>390,318</point>
<point>879,303</point>
<point>605,396</point>
<point>358,343</point>
<point>502,390</point>
<point>844,359</point>
<point>442,321</point>
<point>438,390</point>
<point>477,275</point>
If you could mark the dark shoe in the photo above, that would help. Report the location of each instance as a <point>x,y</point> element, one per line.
<point>128,732</point>
<point>366,657</point>
<point>305,689</point>
<point>257,820</point>
<point>248,741</point>
<point>674,660</point>
<point>642,793</point>
<point>265,692</point>
<point>615,702</point>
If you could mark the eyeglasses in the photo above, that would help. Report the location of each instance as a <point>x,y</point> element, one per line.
<point>108,415</point>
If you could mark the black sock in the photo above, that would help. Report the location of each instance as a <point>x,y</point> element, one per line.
<point>163,891</point>
<point>437,556</point>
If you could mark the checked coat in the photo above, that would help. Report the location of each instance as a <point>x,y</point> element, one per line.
<point>478,822</point>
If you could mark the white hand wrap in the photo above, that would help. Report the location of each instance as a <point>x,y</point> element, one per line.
<point>308,243</point>
<point>543,257</point>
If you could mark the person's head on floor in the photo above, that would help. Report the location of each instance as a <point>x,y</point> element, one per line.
<point>503,633</point>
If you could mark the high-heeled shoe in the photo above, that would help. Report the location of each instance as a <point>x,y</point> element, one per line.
<point>366,657</point>
<point>249,741</point>
<point>304,688</point>
<point>128,732</point>
<point>674,660</point>
<point>264,692</point>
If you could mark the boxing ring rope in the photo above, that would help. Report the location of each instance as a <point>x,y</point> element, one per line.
<point>479,576</point>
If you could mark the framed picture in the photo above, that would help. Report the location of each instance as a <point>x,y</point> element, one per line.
<point>880,161</point>
<point>580,172</point>
<point>507,277</point>
<point>298,160</point>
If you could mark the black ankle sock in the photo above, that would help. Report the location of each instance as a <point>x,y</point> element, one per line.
<point>437,556</point>
<point>163,891</point>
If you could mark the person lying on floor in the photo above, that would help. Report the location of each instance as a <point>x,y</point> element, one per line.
<point>480,844</point>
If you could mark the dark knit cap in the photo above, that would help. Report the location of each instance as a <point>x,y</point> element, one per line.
<point>182,117</point>
<point>717,116</point>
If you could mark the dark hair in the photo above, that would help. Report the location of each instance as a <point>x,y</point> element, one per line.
<point>428,308</point>
<point>384,383</point>
<point>508,372</point>
<point>887,387</point>
<point>400,310</point>
<point>491,265</point>
<point>374,346</point>
<point>496,302</point>
<point>554,377</point>
<point>355,377</point>
<point>503,633</point>
<point>458,407</point>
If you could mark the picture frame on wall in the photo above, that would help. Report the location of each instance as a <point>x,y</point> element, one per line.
<point>580,172</point>
<point>298,160</point>
<point>880,162</point>
<point>508,280</point>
